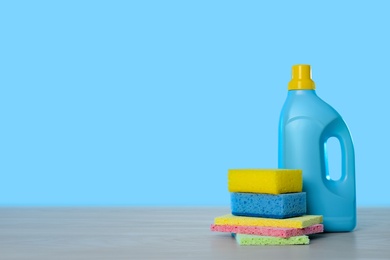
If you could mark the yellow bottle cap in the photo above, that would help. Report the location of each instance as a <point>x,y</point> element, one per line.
<point>301,78</point>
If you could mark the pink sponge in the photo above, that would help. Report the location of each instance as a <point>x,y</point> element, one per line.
<point>269,231</point>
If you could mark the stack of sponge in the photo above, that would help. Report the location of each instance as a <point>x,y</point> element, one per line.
<point>268,207</point>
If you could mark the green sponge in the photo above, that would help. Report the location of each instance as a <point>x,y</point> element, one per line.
<point>248,240</point>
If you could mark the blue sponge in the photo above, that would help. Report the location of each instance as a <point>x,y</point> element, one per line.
<point>267,205</point>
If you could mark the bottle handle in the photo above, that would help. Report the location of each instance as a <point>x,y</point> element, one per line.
<point>346,183</point>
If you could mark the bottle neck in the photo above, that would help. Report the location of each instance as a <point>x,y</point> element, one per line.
<point>295,92</point>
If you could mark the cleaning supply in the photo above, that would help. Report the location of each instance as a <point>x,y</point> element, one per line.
<point>296,222</point>
<point>268,205</point>
<point>270,181</point>
<point>253,240</point>
<point>268,231</point>
<point>275,195</point>
<point>306,123</point>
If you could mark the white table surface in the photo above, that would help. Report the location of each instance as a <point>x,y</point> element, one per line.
<point>168,233</point>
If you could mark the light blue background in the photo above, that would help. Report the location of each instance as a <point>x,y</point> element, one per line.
<point>150,102</point>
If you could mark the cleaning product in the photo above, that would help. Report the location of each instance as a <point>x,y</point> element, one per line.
<point>295,222</point>
<point>306,123</point>
<point>253,240</point>
<point>269,181</point>
<point>268,231</point>
<point>268,205</point>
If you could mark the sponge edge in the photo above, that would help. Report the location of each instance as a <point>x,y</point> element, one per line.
<point>269,181</point>
<point>268,205</point>
<point>296,222</point>
<point>269,231</point>
<point>248,240</point>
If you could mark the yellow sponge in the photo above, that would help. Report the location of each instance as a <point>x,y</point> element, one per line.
<point>297,222</point>
<point>271,181</point>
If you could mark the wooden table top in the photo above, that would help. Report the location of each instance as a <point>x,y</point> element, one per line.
<point>168,233</point>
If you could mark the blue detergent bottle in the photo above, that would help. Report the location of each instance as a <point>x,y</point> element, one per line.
<point>306,123</point>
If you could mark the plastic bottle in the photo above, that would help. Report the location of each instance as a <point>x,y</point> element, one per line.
<point>306,123</point>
